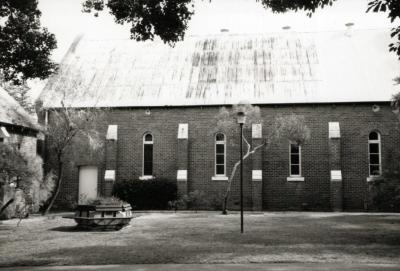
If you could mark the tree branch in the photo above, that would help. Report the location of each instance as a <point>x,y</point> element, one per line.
<point>248,153</point>
<point>248,144</point>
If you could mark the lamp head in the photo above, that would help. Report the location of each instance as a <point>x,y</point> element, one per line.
<point>241,117</point>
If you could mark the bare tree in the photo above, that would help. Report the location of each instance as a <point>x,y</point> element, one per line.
<point>65,127</point>
<point>290,127</point>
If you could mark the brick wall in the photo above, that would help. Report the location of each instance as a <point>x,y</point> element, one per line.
<point>356,121</point>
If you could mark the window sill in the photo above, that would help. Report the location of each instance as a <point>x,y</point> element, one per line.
<point>374,178</point>
<point>219,178</point>
<point>295,179</point>
<point>144,178</point>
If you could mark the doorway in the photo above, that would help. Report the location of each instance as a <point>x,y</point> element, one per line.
<point>87,183</point>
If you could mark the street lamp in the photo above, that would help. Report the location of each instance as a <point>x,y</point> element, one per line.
<point>241,119</point>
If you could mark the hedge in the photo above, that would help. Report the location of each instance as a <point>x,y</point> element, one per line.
<point>386,191</point>
<point>146,194</point>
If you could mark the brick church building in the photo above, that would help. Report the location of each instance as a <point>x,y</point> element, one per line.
<point>163,101</point>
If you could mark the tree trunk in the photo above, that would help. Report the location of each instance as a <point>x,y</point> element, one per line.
<point>5,206</point>
<point>57,190</point>
<point>230,179</point>
<point>224,205</point>
<point>228,189</point>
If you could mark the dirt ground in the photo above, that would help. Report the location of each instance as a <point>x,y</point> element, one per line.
<point>206,237</point>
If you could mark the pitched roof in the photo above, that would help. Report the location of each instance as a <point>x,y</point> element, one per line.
<point>290,67</point>
<point>12,113</point>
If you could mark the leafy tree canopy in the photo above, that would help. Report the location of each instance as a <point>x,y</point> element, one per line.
<point>25,46</point>
<point>168,19</point>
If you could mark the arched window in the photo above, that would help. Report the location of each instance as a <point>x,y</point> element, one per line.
<point>295,159</point>
<point>374,152</point>
<point>220,154</point>
<point>148,155</point>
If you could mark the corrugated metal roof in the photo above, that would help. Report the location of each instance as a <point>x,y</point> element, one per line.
<point>11,112</point>
<point>290,67</point>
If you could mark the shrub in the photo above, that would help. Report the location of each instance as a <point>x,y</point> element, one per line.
<point>386,195</point>
<point>386,191</point>
<point>105,201</point>
<point>46,187</point>
<point>195,200</point>
<point>147,194</point>
<point>216,203</point>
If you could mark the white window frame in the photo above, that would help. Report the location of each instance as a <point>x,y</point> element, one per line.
<point>144,177</point>
<point>290,160</point>
<point>375,141</point>
<point>219,142</point>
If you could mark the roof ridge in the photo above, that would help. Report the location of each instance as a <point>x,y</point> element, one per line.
<point>86,38</point>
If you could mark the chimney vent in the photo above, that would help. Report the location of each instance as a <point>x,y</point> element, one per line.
<point>349,29</point>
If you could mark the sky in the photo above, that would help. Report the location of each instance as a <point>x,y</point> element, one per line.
<point>65,19</point>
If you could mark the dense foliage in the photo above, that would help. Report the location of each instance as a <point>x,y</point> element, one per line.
<point>106,201</point>
<point>287,5</point>
<point>195,200</point>
<point>146,194</point>
<point>386,191</point>
<point>25,46</point>
<point>167,19</point>
<point>396,101</point>
<point>13,165</point>
<point>23,170</point>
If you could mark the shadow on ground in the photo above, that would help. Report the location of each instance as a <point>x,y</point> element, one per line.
<point>67,229</point>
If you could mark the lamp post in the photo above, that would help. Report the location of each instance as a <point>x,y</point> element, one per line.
<point>241,119</point>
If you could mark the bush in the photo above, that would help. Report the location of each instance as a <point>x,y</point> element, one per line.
<point>46,187</point>
<point>216,203</point>
<point>105,201</point>
<point>386,192</point>
<point>195,200</point>
<point>386,195</point>
<point>147,194</point>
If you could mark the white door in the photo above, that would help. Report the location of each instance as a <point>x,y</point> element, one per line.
<point>87,183</point>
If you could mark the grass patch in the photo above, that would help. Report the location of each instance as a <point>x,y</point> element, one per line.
<point>207,237</point>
